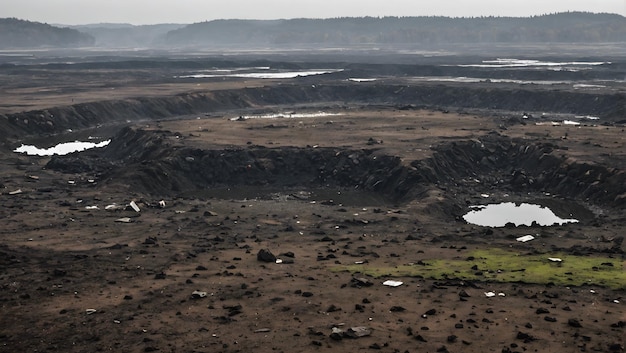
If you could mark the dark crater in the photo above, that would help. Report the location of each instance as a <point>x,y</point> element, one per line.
<point>152,162</point>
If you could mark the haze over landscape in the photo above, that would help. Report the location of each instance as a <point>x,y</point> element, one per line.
<point>140,12</point>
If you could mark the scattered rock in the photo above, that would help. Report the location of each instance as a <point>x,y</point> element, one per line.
<point>265,255</point>
<point>160,275</point>
<point>357,332</point>
<point>337,336</point>
<point>574,323</point>
<point>619,324</point>
<point>430,312</point>
<point>360,282</point>
<point>332,308</point>
<point>59,272</point>
<point>526,337</point>
<point>150,241</point>
<point>233,309</point>
<point>420,338</point>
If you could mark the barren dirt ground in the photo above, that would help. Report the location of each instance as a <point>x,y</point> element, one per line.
<point>185,274</point>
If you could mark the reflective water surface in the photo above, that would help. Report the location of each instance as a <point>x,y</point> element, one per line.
<point>498,215</point>
<point>60,149</point>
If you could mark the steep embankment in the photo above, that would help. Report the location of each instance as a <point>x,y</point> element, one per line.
<point>502,163</point>
<point>610,107</point>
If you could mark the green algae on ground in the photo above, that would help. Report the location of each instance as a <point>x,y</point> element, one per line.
<point>496,265</point>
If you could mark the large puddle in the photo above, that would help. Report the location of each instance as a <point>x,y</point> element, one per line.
<point>498,215</point>
<point>60,149</point>
<point>291,115</point>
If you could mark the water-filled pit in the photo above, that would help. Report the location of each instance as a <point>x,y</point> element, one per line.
<point>499,215</point>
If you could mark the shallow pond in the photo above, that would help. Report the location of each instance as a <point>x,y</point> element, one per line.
<point>498,215</point>
<point>60,149</point>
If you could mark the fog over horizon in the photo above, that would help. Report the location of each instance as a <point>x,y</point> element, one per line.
<point>142,12</point>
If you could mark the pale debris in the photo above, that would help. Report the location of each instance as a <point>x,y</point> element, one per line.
<point>391,283</point>
<point>134,206</point>
<point>525,238</point>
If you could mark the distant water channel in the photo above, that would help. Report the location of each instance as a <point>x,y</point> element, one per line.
<point>258,72</point>
<point>498,215</point>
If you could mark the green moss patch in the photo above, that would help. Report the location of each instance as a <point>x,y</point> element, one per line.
<point>496,265</point>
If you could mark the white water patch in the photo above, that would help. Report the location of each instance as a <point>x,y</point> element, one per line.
<point>354,79</point>
<point>60,149</point>
<point>463,79</point>
<point>284,116</point>
<point>512,63</point>
<point>587,86</point>
<point>587,117</point>
<point>265,74</point>
<point>451,79</point>
<point>498,215</point>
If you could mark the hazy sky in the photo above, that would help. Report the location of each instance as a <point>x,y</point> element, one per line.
<point>190,11</point>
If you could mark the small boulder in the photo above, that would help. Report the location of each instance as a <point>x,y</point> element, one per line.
<point>265,255</point>
<point>360,282</point>
<point>574,323</point>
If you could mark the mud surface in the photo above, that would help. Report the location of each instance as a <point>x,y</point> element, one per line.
<point>382,180</point>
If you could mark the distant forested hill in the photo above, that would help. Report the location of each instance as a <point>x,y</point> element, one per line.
<point>16,33</point>
<point>562,27</point>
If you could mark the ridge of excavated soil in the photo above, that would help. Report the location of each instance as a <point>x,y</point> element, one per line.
<point>610,107</point>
